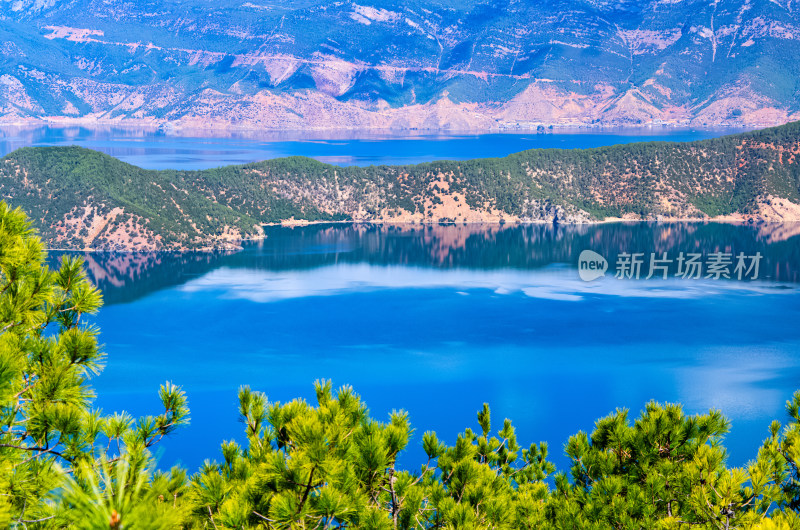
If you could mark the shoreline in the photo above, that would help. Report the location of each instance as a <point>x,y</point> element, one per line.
<point>213,129</point>
<point>238,248</point>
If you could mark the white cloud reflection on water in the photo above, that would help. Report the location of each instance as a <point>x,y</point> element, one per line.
<point>556,282</point>
<point>737,381</point>
<point>505,335</point>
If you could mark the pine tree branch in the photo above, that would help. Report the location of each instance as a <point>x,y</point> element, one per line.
<point>262,517</point>
<point>34,448</point>
<point>36,520</point>
<point>308,490</point>
<point>211,516</point>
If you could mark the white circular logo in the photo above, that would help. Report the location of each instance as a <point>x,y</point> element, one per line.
<point>591,265</point>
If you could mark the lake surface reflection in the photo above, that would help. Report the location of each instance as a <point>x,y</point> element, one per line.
<point>437,320</point>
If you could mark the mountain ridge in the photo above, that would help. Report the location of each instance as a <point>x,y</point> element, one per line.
<point>83,199</point>
<point>472,65</point>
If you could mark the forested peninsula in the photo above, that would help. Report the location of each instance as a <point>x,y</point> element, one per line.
<point>83,199</point>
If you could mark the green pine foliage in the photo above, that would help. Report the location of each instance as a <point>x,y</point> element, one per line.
<point>330,464</point>
<point>50,435</point>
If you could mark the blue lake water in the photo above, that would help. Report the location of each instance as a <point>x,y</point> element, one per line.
<point>197,150</point>
<point>439,320</point>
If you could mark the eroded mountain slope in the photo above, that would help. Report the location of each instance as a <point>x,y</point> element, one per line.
<point>473,64</point>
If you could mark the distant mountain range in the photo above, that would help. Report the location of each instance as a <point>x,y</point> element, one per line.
<point>83,199</point>
<point>411,64</point>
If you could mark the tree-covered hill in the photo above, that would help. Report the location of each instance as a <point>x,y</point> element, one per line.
<point>84,199</point>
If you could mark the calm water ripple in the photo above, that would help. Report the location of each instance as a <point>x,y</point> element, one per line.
<point>438,320</point>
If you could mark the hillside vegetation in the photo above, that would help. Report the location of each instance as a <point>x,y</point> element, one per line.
<point>84,199</point>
